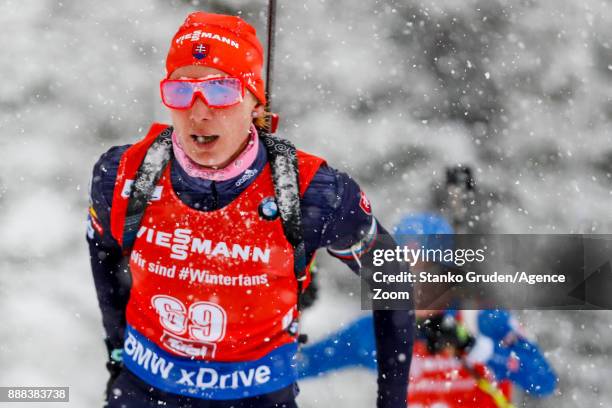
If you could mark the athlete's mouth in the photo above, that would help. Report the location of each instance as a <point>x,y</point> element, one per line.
<point>202,139</point>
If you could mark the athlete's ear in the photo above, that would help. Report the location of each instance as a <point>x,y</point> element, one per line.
<point>258,110</point>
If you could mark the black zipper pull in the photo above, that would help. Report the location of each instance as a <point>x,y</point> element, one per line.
<point>215,196</point>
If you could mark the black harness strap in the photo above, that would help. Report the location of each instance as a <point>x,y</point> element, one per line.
<point>283,162</point>
<point>148,175</point>
<point>285,176</point>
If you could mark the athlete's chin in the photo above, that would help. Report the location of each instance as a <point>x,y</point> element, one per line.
<point>207,160</point>
<point>213,159</point>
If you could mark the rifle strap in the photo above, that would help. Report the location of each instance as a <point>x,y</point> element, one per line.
<point>148,175</point>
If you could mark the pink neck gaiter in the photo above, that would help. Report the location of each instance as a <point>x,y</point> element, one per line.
<point>238,166</point>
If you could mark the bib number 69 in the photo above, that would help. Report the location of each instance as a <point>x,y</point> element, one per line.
<point>203,321</point>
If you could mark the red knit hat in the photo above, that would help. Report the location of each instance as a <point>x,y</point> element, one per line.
<point>227,43</point>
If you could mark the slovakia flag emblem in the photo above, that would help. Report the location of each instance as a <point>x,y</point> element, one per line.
<point>199,51</point>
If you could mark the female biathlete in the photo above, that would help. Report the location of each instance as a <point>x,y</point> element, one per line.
<point>200,235</point>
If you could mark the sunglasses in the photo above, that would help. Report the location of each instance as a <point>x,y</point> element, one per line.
<point>219,92</point>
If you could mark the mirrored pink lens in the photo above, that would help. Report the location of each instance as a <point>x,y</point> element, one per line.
<point>178,94</point>
<point>222,92</point>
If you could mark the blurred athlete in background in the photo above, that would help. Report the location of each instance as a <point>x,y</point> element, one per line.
<point>462,358</point>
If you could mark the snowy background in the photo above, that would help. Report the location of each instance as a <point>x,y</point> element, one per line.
<point>391,92</point>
